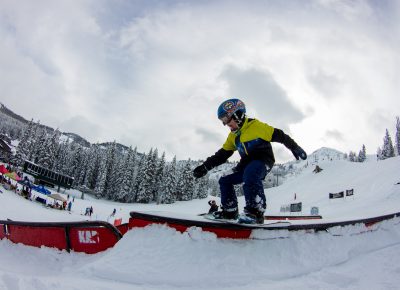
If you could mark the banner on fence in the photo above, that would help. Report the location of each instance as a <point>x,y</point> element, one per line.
<point>336,195</point>
<point>295,207</point>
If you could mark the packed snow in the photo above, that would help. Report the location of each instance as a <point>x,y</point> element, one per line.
<point>158,257</point>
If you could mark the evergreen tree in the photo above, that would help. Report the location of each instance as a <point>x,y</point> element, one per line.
<point>138,177</point>
<point>202,187</point>
<point>387,149</point>
<point>60,156</point>
<point>379,155</point>
<point>25,144</point>
<point>93,170</point>
<point>125,178</point>
<point>101,177</point>
<point>84,168</point>
<point>110,177</point>
<point>119,193</point>
<point>180,184</point>
<point>52,146</point>
<point>186,182</point>
<point>145,178</point>
<point>168,187</point>
<point>132,176</point>
<point>154,178</point>
<point>362,155</point>
<point>352,156</point>
<point>397,135</point>
<point>159,178</point>
<point>74,160</point>
<point>214,187</point>
<point>38,137</point>
<point>40,149</point>
<point>118,175</point>
<point>47,149</point>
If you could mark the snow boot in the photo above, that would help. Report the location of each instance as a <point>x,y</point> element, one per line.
<point>228,215</point>
<point>251,216</point>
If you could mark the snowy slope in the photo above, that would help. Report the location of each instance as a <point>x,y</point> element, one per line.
<point>375,189</point>
<point>161,258</point>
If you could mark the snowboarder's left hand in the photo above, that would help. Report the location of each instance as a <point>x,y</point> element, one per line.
<point>298,152</point>
<point>200,171</point>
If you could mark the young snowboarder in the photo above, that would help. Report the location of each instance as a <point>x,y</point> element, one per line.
<point>252,140</point>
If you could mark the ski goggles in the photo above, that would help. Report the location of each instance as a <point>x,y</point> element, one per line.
<point>226,119</point>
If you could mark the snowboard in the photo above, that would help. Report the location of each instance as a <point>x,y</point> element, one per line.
<point>266,224</point>
<point>285,217</point>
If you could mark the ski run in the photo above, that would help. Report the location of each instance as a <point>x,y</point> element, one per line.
<point>159,257</point>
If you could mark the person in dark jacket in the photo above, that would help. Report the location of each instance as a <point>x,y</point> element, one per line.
<point>113,212</point>
<point>252,139</point>
<point>213,206</point>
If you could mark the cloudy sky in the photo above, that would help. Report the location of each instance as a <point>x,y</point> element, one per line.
<point>152,73</point>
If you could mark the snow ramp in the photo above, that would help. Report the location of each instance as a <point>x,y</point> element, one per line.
<point>161,256</point>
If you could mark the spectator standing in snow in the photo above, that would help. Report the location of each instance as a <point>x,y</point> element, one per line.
<point>213,206</point>
<point>317,169</point>
<point>113,212</point>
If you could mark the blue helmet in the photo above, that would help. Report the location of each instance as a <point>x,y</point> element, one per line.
<point>232,108</point>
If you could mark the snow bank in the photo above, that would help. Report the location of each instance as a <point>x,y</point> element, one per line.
<point>160,256</point>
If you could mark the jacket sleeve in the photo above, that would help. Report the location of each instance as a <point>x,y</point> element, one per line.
<point>218,158</point>
<point>281,137</point>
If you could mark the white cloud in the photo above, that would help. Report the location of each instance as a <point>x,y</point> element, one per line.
<point>266,99</point>
<point>153,75</point>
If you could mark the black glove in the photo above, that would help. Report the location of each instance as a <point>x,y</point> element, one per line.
<point>298,152</point>
<point>200,171</point>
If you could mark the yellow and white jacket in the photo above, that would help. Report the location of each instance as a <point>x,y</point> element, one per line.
<point>252,141</point>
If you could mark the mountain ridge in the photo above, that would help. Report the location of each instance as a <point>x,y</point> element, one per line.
<point>70,135</point>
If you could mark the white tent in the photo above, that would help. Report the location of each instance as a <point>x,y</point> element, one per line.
<point>56,196</point>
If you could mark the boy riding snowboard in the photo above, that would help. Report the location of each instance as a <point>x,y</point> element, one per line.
<point>252,140</point>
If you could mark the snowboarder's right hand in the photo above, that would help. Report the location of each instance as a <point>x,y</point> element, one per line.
<point>200,171</point>
<point>298,152</point>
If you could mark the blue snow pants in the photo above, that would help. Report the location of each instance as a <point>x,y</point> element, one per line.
<point>252,176</point>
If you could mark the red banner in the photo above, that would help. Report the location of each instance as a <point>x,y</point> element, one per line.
<point>86,237</point>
